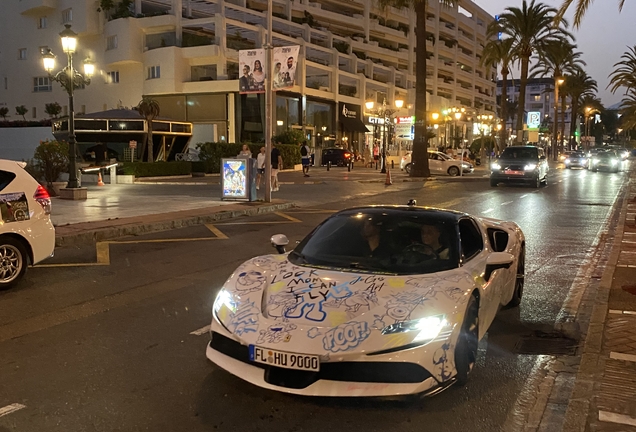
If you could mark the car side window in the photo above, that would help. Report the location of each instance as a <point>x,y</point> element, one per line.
<point>6,178</point>
<point>471,239</point>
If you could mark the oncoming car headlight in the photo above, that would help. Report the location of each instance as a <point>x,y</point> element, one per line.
<point>224,298</point>
<point>614,161</point>
<point>594,161</point>
<point>495,166</point>
<point>530,167</point>
<point>428,327</point>
<point>567,161</point>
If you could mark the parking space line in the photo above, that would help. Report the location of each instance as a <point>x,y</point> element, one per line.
<point>606,416</point>
<point>523,196</point>
<point>201,331</point>
<point>488,211</point>
<point>621,356</point>
<point>217,232</point>
<point>286,216</point>
<point>506,203</point>
<point>11,409</point>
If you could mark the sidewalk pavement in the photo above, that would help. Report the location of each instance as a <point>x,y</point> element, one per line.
<point>604,395</point>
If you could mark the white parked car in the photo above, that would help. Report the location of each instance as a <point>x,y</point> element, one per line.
<point>375,301</point>
<point>26,232</point>
<point>439,163</point>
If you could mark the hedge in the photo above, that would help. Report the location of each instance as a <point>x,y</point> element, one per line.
<point>211,153</point>
<point>156,169</point>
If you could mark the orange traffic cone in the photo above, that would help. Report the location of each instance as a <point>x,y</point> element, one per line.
<point>100,182</point>
<point>388,181</point>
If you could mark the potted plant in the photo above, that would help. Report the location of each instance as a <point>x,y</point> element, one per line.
<point>50,160</point>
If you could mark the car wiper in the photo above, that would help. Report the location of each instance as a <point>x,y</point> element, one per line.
<point>300,256</point>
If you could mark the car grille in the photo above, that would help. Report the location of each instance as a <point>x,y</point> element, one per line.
<point>365,372</point>
<point>515,167</point>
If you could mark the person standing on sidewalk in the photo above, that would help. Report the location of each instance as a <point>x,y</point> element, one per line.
<point>245,151</point>
<point>260,167</point>
<point>277,163</point>
<point>304,155</point>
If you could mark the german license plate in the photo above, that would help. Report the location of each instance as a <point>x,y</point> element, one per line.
<point>283,359</point>
<point>513,172</point>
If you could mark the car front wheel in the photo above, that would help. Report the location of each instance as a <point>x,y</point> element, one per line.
<point>408,167</point>
<point>467,342</point>
<point>453,171</point>
<point>13,261</point>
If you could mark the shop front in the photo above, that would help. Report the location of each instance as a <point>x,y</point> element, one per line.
<point>351,128</point>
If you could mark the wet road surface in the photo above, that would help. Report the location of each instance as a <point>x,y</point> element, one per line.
<point>109,347</point>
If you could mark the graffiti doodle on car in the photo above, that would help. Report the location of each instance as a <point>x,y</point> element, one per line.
<point>444,362</point>
<point>313,333</point>
<point>276,333</point>
<point>346,336</point>
<point>244,319</point>
<point>250,281</point>
<point>399,308</point>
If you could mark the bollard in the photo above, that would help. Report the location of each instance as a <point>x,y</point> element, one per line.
<point>328,165</point>
<point>392,164</point>
<point>349,166</point>
<point>376,165</point>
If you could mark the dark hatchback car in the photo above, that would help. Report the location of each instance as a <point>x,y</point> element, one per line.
<point>520,164</point>
<point>576,159</point>
<point>337,156</point>
<point>606,161</point>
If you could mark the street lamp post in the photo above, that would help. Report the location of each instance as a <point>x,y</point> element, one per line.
<point>557,82</point>
<point>386,114</point>
<point>70,79</point>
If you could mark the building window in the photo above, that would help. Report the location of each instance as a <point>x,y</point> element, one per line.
<point>22,54</point>
<point>112,77</point>
<point>42,84</point>
<point>154,72</point>
<point>42,22</point>
<point>67,16</point>
<point>111,42</point>
<point>536,98</point>
<point>35,113</point>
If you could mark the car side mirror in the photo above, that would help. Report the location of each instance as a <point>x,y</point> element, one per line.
<point>279,241</point>
<point>496,261</point>
<point>542,157</point>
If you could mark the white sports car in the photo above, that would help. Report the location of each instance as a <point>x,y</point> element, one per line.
<point>375,301</point>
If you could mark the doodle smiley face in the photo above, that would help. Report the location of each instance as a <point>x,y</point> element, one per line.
<point>249,281</point>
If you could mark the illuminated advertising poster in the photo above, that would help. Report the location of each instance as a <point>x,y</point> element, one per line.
<point>252,70</point>
<point>14,207</point>
<point>234,178</point>
<point>534,120</point>
<point>285,60</point>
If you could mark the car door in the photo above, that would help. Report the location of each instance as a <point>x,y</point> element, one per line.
<point>474,255</point>
<point>434,162</point>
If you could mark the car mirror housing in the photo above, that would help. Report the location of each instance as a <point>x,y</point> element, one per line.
<point>496,261</point>
<point>279,241</point>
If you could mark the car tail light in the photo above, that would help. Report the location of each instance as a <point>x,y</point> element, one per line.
<point>43,198</point>
<point>347,155</point>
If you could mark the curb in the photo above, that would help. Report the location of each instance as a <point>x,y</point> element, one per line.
<point>89,236</point>
<point>592,365</point>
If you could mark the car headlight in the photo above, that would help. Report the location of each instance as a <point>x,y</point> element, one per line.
<point>495,166</point>
<point>465,165</point>
<point>594,161</point>
<point>224,298</point>
<point>428,327</point>
<point>614,161</point>
<point>530,167</point>
<point>567,161</point>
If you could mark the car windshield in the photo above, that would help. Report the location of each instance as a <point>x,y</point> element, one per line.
<point>382,240</point>
<point>577,155</point>
<point>523,153</point>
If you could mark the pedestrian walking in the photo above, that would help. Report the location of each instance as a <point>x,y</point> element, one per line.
<point>245,151</point>
<point>260,167</point>
<point>304,155</point>
<point>277,163</point>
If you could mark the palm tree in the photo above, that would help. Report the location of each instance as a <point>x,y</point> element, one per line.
<point>577,86</point>
<point>420,142</point>
<point>625,73</point>
<point>556,60</point>
<point>581,8</point>
<point>149,109</point>
<point>531,29</point>
<point>500,52</point>
<point>628,111</point>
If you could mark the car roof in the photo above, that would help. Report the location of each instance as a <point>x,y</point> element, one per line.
<point>522,147</point>
<point>11,165</point>
<point>439,214</point>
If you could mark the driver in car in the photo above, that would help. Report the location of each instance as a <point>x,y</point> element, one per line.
<point>375,241</point>
<point>431,236</point>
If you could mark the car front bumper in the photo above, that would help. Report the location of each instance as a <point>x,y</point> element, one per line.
<point>526,177</point>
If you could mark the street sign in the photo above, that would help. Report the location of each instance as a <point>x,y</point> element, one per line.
<point>132,144</point>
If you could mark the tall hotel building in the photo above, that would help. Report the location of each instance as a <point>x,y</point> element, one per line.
<point>184,54</point>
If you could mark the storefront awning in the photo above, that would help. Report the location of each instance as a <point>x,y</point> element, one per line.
<point>353,125</point>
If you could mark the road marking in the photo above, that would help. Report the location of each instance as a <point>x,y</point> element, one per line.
<point>614,311</point>
<point>506,203</point>
<point>216,231</point>
<point>621,356</point>
<point>487,211</point>
<point>11,409</point>
<point>286,216</point>
<point>313,211</point>
<point>523,196</point>
<point>606,416</point>
<point>202,330</point>
<point>102,250</point>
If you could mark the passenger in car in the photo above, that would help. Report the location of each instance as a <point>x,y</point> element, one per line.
<point>375,241</point>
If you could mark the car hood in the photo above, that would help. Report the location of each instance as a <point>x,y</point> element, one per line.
<point>278,290</point>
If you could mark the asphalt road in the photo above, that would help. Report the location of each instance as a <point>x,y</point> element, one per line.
<point>107,346</point>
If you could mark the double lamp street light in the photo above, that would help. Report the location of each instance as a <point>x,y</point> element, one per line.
<point>70,79</point>
<point>386,113</point>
